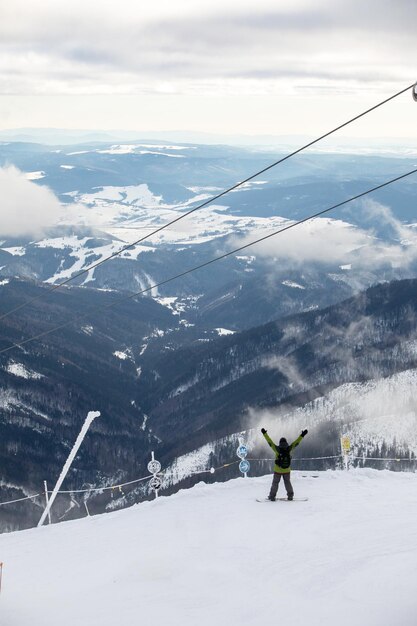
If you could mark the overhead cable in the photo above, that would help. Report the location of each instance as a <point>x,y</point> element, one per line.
<point>204,204</point>
<point>209,262</point>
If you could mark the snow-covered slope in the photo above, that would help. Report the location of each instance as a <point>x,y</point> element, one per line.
<point>214,556</point>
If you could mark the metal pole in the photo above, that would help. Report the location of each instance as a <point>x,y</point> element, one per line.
<point>153,459</point>
<point>89,419</point>
<point>45,484</point>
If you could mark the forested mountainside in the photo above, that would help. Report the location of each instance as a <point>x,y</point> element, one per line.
<point>48,386</point>
<point>206,390</point>
<point>156,395</point>
<point>208,297</point>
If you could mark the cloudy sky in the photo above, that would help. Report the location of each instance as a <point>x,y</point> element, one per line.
<point>220,66</point>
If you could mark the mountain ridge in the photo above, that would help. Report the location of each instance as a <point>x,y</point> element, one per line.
<point>156,395</point>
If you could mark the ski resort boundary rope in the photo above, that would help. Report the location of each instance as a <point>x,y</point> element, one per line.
<point>210,470</point>
<point>20,499</point>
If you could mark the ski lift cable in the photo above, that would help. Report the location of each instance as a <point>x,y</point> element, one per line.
<point>210,261</point>
<point>206,203</point>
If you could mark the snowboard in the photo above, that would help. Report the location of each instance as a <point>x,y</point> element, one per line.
<point>282,500</point>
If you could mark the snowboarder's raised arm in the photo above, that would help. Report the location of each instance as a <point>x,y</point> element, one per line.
<point>298,440</point>
<point>269,440</point>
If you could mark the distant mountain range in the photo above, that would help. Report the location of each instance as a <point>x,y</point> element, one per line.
<point>114,194</point>
<point>62,136</point>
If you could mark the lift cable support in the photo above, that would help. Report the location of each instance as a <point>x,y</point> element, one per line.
<point>214,260</point>
<point>207,202</point>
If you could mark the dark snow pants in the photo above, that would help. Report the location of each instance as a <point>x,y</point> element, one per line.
<point>275,483</point>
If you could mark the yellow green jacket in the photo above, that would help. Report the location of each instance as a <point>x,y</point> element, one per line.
<point>277,468</point>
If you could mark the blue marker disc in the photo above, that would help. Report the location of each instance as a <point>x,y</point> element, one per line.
<point>244,466</point>
<point>242,451</point>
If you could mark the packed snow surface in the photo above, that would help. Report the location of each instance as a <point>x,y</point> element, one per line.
<point>212,555</point>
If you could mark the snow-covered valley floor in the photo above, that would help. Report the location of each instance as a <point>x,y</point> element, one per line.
<point>214,556</point>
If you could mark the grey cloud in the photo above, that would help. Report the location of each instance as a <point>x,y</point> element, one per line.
<point>226,44</point>
<point>312,72</point>
<point>86,54</point>
<point>291,31</point>
<point>387,15</point>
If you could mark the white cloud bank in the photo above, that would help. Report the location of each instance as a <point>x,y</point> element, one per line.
<point>26,209</point>
<point>322,240</point>
<point>328,241</point>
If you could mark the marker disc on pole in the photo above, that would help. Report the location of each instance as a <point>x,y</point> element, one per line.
<point>244,466</point>
<point>242,451</point>
<point>154,467</point>
<point>155,483</point>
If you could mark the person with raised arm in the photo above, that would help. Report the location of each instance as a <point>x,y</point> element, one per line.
<point>282,467</point>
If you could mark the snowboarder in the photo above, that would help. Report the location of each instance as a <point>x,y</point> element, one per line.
<point>282,465</point>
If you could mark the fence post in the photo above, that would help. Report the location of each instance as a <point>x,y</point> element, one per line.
<point>345,447</point>
<point>45,484</point>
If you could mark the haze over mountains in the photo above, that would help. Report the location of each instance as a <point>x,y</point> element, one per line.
<point>62,136</point>
<point>262,333</point>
